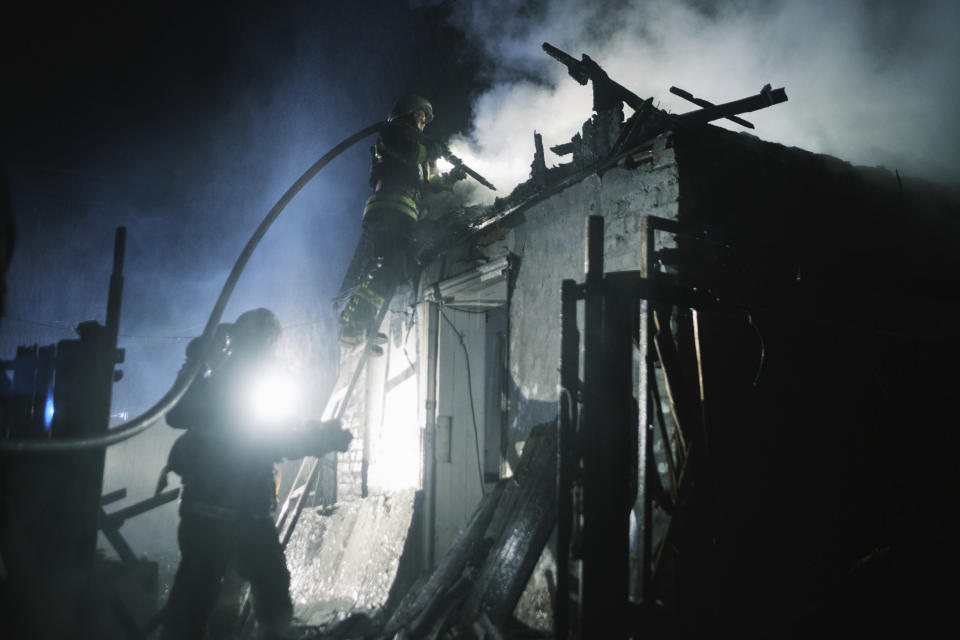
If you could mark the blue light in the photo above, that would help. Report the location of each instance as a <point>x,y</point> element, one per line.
<point>48,411</point>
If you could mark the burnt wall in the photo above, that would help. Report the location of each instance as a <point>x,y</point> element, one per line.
<point>549,246</point>
<point>825,499</point>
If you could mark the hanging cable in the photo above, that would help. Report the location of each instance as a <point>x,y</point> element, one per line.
<point>473,411</point>
<point>186,377</point>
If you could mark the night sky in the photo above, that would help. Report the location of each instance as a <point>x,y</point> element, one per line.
<point>185,122</point>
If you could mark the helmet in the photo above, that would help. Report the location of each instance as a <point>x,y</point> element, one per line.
<point>254,330</point>
<point>216,354</point>
<point>407,105</point>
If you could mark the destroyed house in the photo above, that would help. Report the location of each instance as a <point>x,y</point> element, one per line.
<point>689,381</point>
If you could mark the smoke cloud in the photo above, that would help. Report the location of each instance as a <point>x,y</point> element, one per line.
<point>191,162</point>
<point>188,143</point>
<point>873,83</point>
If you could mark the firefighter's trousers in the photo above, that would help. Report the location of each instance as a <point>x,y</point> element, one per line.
<point>208,543</point>
<point>388,260</point>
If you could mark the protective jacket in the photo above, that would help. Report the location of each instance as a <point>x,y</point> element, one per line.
<point>402,163</point>
<point>225,460</point>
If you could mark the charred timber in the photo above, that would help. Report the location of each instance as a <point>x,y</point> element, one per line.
<point>766,98</point>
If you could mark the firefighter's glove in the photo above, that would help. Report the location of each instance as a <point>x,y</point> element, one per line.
<point>433,149</point>
<point>456,174</point>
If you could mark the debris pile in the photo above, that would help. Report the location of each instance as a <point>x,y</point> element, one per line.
<point>477,584</point>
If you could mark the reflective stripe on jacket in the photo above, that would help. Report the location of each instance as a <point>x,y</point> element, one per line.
<point>394,201</point>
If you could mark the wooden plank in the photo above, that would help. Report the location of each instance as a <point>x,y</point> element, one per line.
<point>451,566</point>
<point>529,515</point>
<point>120,516</point>
<point>112,534</point>
<point>113,496</point>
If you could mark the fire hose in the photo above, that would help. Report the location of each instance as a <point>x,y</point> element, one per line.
<point>185,379</point>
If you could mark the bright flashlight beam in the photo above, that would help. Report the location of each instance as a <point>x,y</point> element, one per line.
<point>273,397</point>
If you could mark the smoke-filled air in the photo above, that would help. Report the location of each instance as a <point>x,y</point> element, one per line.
<point>186,128</point>
<point>873,83</point>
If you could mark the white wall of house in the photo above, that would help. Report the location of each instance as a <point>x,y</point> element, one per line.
<point>548,246</point>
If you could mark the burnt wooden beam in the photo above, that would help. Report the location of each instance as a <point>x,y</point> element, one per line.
<point>526,516</point>
<point>117,518</point>
<point>451,566</point>
<point>113,496</point>
<point>111,532</point>
<point>766,98</point>
<point>491,560</point>
<point>686,95</point>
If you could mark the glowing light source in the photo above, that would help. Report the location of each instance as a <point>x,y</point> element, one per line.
<point>395,445</point>
<point>273,397</point>
<point>444,165</point>
<point>48,411</point>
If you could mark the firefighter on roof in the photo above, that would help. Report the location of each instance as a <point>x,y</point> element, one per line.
<point>403,162</point>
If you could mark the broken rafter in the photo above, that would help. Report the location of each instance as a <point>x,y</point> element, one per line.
<point>686,95</point>
<point>766,98</point>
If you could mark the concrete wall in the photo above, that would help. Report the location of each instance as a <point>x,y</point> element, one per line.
<point>550,247</point>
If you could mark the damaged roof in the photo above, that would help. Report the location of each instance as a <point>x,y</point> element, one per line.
<point>606,140</point>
